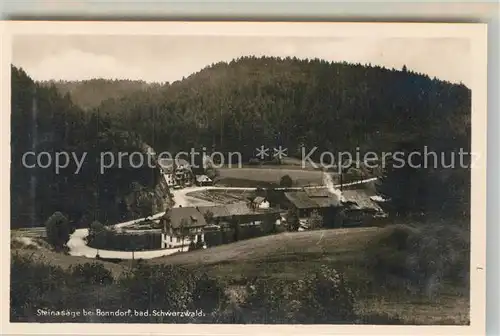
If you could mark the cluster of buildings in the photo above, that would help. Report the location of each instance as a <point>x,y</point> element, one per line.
<point>178,174</point>
<point>185,225</point>
<point>357,206</point>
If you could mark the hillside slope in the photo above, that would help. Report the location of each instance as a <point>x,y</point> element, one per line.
<point>252,101</point>
<point>312,107</point>
<point>285,246</point>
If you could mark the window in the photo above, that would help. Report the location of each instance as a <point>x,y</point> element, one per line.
<point>178,240</point>
<point>171,238</point>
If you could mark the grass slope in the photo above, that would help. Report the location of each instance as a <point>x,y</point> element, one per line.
<point>285,255</point>
<point>289,245</point>
<point>66,261</point>
<point>292,255</point>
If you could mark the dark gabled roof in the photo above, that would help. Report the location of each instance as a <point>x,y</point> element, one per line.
<point>192,217</point>
<point>317,192</point>
<point>360,199</point>
<point>234,209</point>
<point>217,211</point>
<point>300,200</point>
<point>313,198</point>
<point>325,202</point>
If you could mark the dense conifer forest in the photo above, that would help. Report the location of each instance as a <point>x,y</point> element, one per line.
<point>237,106</point>
<point>44,120</point>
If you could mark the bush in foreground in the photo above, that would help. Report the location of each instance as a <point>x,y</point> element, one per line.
<point>31,285</point>
<point>422,257</point>
<point>58,230</point>
<point>167,287</point>
<point>92,273</point>
<point>323,297</point>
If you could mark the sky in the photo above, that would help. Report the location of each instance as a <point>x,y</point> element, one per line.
<point>170,58</point>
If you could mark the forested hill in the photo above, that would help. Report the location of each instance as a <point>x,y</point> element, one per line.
<point>335,107</point>
<point>239,106</point>
<point>43,120</point>
<point>251,101</point>
<point>89,94</point>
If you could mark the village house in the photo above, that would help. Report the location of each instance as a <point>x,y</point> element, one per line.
<point>312,199</point>
<point>177,172</point>
<point>181,226</point>
<point>168,173</point>
<point>241,212</point>
<point>215,216</point>
<point>245,214</point>
<point>252,222</point>
<point>260,202</point>
<point>302,203</point>
<point>360,209</point>
<point>323,197</point>
<point>203,180</point>
<point>356,206</point>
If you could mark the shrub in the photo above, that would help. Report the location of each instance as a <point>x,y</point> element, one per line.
<point>354,174</point>
<point>421,257</point>
<point>31,282</point>
<point>233,314</point>
<point>58,230</point>
<point>260,192</point>
<point>173,288</point>
<point>323,297</point>
<point>164,287</point>
<point>271,301</point>
<point>286,181</point>
<point>254,162</point>
<point>92,273</point>
<point>315,221</point>
<point>327,298</point>
<point>209,295</point>
<point>192,246</point>
<point>292,220</point>
<point>96,228</point>
<point>212,173</point>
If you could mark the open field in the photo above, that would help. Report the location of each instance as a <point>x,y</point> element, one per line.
<point>231,182</point>
<point>300,177</point>
<point>286,163</point>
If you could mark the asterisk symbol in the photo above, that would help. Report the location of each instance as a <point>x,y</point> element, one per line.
<point>280,152</point>
<point>262,152</point>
